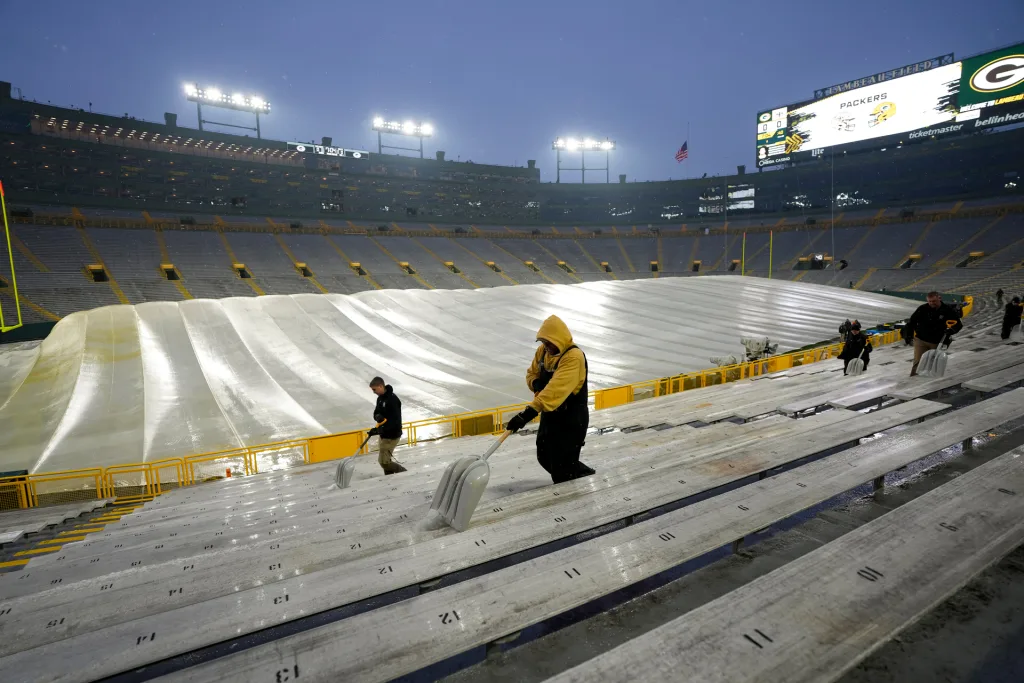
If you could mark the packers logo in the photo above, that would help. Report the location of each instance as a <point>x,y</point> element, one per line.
<point>765,117</point>
<point>999,74</point>
<point>883,112</point>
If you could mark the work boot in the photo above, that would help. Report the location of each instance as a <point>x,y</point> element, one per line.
<point>584,470</point>
<point>393,468</point>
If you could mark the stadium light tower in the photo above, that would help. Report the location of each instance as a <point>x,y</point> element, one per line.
<point>408,128</point>
<point>573,145</point>
<point>214,97</point>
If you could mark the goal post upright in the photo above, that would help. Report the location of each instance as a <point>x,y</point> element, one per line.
<point>4,327</point>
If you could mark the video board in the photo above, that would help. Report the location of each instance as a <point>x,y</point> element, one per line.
<point>982,91</point>
<point>325,150</point>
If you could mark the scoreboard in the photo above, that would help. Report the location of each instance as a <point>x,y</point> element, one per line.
<point>951,99</point>
<point>327,151</point>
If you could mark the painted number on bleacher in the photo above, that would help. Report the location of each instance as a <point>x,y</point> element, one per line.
<point>55,581</point>
<point>743,507</point>
<point>803,486</point>
<point>285,675</point>
<point>136,563</point>
<point>758,637</point>
<point>667,536</point>
<point>355,546</point>
<point>5,611</point>
<point>479,543</point>
<point>497,509</point>
<point>559,519</point>
<point>275,546</point>
<point>145,639</point>
<point>573,574</point>
<point>281,600</point>
<point>948,527</point>
<point>172,592</point>
<point>449,617</point>
<point>187,567</point>
<point>106,586</point>
<point>274,566</point>
<point>385,570</point>
<point>870,574</point>
<point>55,622</point>
<point>1008,492</point>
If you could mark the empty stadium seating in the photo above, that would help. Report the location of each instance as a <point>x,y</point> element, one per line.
<point>320,573</point>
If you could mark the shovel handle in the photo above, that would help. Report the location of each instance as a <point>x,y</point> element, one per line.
<point>368,437</point>
<point>494,446</point>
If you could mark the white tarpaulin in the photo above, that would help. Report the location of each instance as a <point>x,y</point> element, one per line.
<point>139,383</point>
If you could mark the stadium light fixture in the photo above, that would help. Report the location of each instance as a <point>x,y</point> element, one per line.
<point>214,97</point>
<point>572,145</point>
<point>408,127</point>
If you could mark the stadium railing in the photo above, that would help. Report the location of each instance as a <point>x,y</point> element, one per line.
<point>319,227</point>
<point>156,477</point>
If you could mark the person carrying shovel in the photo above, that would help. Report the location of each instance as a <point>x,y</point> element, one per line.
<point>558,379</point>
<point>857,346</point>
<point>389,411</point>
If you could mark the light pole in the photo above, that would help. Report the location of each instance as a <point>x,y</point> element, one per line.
<point>573,145</point>
<point>407,128</point>
<point>214,97</point>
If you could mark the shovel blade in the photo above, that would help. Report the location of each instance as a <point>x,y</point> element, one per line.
<point>446,488</point>
<point>470,490</point>
<point>855,368</point>
<point>343,475</point>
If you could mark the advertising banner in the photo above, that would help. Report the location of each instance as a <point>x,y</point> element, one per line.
<point>910,103</point>
<point>992,78</point>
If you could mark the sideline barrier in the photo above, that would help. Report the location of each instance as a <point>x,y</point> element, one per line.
<point>154,478</point>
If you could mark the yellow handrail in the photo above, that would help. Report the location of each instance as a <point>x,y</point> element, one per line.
<point>487,421</point>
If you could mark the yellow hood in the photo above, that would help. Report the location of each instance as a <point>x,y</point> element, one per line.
<point>555,331</point>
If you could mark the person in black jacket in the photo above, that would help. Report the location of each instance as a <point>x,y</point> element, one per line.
<point>389,411</point>
<point>1011,318</point>
<point>855,343</point>
<point>933,323</point>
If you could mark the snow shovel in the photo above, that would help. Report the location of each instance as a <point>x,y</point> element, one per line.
<point>461,487</point>
<point>856,366</point>
<point>933,363</point>
<point>347,467</point>
<point>1016,334</point>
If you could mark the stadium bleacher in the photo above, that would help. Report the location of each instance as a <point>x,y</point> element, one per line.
<point>182,572</point>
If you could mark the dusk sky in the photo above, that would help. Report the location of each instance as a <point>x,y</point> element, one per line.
<point>499,80</point>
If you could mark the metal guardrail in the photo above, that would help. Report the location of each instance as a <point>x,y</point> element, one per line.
<point>667,231</point>
<point>157,477</point>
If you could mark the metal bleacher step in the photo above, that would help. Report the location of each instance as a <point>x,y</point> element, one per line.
<point>452,620</point>
<point>554,513</point>
<point>815,617</point>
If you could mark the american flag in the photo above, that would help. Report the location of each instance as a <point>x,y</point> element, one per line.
<point>682,153</point>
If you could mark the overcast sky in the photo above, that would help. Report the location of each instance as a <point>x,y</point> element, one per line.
<point>498,79</point>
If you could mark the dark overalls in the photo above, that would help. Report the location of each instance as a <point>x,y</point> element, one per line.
<point>563,431</point>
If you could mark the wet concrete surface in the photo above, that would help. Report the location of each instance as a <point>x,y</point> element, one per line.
<point>975,636</point>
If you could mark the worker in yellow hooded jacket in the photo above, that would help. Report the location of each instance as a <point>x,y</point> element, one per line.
<point>558,379</point>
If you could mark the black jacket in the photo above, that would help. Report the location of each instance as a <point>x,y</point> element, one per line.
<point>855,343</point>
<point>389,408</point>
<point>1012,315</point>
<point>930,323</point>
